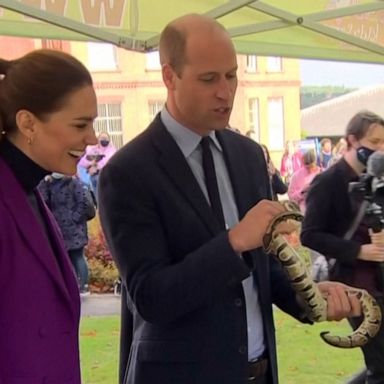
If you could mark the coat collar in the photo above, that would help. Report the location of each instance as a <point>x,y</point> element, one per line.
<point>174,164</point>
<point>233,153</point>
<point>25,170</point>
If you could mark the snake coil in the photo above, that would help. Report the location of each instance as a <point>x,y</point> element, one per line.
<point>301,281</point>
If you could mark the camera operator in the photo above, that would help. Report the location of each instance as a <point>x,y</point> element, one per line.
<point>333,212</point>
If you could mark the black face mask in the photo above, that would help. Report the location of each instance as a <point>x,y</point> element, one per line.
<point>104,143</point>
<point>363,154</point>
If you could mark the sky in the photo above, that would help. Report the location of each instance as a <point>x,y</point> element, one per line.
<point>350,75</point>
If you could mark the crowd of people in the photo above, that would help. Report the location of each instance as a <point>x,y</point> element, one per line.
<point>298,167</point>
<point>184,207</point>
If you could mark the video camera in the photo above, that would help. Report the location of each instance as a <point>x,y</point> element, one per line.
<point>370,188</point>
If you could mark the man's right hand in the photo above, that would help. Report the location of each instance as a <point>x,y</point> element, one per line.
<point>249,232</point>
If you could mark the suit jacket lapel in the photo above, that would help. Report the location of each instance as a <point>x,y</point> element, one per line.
<point>244,196</point>
<point>172,161</point>
<point>232,155</point>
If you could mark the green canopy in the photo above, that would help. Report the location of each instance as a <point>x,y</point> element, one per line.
<point>345,30</point>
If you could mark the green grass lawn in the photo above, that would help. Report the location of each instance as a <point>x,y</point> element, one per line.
<point>303,357</point>
<point>99,348</point>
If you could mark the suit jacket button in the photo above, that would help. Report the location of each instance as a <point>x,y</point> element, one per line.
<point>238,302</point>
<point>243,349</point>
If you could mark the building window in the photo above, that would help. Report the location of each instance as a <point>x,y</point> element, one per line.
<point>52,44</point>
<point>275,123</point>
<point>251,63</point>
<point>102,57</point>
<point>152,61</point>
<point>274,64</point>
<point>110,121</point>
<point>254,117</point>
<point>154,107</point>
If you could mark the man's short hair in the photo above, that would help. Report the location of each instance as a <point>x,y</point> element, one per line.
<point>172,47</point>
<point>359,124</point>
<point>173,40</point>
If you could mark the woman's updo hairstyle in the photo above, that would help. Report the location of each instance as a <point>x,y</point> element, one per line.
<point>38,82</point>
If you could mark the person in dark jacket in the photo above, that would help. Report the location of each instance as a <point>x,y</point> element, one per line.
<point>66,197</point>
<point>328,227</point>
<point>277,184</point>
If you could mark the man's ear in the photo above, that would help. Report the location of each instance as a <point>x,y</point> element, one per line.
<point>351,139</point>
<point>169,76</point>
<point>26,123</point>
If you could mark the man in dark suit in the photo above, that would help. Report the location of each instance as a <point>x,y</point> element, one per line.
<point>198,289</point>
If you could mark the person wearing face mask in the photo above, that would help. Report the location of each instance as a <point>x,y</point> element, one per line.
<point>96,157</point>
<point>328,227</point>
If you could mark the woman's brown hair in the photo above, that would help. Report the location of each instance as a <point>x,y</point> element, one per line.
<point>39,82</point>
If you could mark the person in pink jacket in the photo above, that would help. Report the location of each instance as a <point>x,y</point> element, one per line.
<point>302,178</point>
<point>96,157</point>
<point>291,161</point>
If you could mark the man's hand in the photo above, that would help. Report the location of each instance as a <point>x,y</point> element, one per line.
<point>248,233</point>
<point>341,304</point>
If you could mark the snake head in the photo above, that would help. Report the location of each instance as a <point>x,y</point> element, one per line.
<point>290,206</point>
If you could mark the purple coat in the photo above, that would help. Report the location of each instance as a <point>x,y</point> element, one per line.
<point>39,298</point>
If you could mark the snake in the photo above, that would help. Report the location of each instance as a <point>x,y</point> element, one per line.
<point>301,281</point>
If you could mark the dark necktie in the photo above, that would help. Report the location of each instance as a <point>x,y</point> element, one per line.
<point>211,181</point>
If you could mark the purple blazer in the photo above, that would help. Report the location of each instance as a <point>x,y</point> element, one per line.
<point>39,298</point>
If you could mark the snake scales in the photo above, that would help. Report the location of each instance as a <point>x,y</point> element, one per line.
<point>304,286</point>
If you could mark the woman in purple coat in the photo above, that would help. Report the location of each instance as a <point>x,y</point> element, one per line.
<point>47,107</point>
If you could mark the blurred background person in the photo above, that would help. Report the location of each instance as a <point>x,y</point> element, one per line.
<point>338,151</point>
<point>47,109</point>
<point>96,157</point>
<point>325,153</point>
<point>277,184</point>
<point>291,161</point>
<point>234,129</point>
<point>251,134</point>
<point>302,178</point>
<point>67,198</point>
